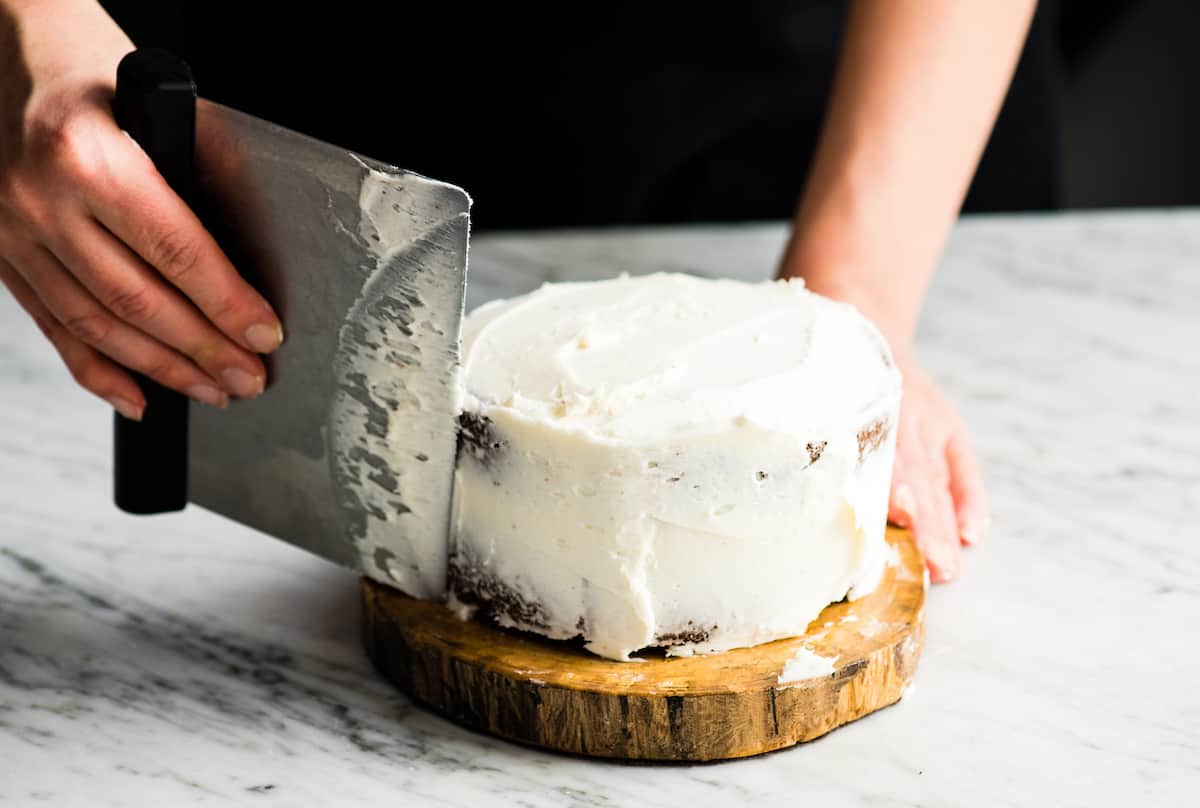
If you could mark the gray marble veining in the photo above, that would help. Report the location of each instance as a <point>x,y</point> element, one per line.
<point>185,659</point>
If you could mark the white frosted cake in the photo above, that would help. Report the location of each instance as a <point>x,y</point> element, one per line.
<point>668,461</point>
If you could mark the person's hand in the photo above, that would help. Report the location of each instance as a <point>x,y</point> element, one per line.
<point>937,490</point>
<point>112,265</point>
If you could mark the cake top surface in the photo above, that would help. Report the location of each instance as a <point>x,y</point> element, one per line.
<point>642,358</point>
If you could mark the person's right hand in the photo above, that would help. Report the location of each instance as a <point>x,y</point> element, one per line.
<point>112,265</point>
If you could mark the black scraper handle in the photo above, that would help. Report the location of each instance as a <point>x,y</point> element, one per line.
<point>155,103</point>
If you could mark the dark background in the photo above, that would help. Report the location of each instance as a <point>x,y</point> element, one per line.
<point>1130,112</point>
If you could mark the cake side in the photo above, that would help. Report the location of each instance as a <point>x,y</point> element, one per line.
<point>709,488</point>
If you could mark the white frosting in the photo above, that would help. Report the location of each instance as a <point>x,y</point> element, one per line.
<point>678,461</point>
<point>805,664</point>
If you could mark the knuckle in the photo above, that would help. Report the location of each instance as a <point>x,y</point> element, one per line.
<point>91,327</point>
<point>58,135</point>
<point>85,370</point>
<point>175,254</point>
<point>22,205</point>
<point>225,307</point>
<point>162,370</point>
<point>133,305</point>
<point>71,147</point>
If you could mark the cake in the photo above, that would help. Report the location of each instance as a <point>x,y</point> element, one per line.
<point>670,462</point>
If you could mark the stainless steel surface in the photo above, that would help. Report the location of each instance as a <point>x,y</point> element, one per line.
<point>287,210</point>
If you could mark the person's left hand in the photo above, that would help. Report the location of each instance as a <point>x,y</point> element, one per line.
<point>937,489</point>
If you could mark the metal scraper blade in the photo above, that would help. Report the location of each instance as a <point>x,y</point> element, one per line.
<point>349,453</point>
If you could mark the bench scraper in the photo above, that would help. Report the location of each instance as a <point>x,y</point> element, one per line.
<point>349,453</point>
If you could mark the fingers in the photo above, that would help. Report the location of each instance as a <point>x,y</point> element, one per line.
<point>920,498</point>
<point>966,488</point>
<point>937,491</point>
<point>936,531</point>
<point>101,248</point>
<point>90,370</point>
<point>89,323</point>
<point>931,518</point>
<point>901,503</point>
<point>144,213</point>
<point>136,294</point>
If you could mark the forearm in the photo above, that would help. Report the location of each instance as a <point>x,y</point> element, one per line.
<point>55,37</point>
<point>917,91</point>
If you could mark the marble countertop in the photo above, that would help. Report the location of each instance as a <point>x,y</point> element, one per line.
<point>185,659</point>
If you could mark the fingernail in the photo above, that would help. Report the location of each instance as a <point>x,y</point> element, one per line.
<point>264,338</point>
<point>973,531</point>
<point>941,572</point>
<point>942,561</point>
<point>127,408</point>
<point>905,504</point>
<point>949,565</point>
<point>241,383</point>
<point>207,394</point>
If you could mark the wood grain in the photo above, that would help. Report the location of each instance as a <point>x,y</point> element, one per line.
<point>556,695</point>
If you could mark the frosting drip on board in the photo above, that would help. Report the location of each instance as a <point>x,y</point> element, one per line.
<point>670,461</point>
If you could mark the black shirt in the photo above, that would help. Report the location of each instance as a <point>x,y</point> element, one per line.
<point>574,115</point>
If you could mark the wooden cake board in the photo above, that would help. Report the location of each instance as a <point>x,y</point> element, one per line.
<point>556,695</point>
